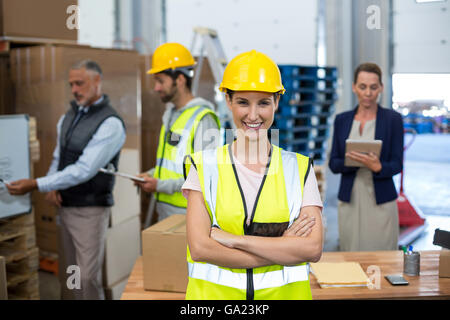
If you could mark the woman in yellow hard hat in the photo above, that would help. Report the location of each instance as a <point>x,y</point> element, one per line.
<point>254,210</point>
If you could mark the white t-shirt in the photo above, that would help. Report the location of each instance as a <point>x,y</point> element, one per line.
<point>250,182</point>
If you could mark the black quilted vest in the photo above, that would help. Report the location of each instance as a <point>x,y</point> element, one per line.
<point>98,190</point>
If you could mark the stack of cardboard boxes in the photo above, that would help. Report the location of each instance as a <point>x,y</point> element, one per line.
<point>37,21</point>
<point>26,22</point>
<point>37,50</point>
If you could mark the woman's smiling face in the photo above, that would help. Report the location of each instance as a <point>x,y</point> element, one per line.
<point>253,112</point>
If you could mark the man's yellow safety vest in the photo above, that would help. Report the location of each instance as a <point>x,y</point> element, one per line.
<point>277,205</point>
<point>174,144</point>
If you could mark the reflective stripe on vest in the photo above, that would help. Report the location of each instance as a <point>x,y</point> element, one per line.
<point>238,280</point>
<point>285,178</point>
<point>170,157</point>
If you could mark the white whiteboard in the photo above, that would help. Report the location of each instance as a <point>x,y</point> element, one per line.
<point>14,163</point>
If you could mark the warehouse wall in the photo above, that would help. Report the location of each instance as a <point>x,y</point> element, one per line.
<point>283,29</point>
<point>421,37</point>
<point>352,39</point>
<point>97,24</point>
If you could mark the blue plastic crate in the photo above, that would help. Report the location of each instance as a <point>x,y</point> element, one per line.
<point>307,144</point>
<point>318,155</point>
<point>303,120</point>
<point>304,96</point>
<point>305,133</point>
<point>308,72</point>
<point>407,125</point>
<point>424,127</point>
<point>310,108</point>
<point>314,84</point>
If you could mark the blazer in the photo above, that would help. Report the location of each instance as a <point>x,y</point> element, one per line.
<point>389,129</point>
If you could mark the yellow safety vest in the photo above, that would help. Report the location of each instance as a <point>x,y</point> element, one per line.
<point>173,146</point>
<point>277,205</point>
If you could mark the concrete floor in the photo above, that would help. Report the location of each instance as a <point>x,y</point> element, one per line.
<point>426,182</point>
<point>49,287</point>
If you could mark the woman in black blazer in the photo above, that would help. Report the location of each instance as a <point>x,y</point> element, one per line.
<point>368,214</point>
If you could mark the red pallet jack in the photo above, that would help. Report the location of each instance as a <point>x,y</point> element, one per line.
<point>411,219</point>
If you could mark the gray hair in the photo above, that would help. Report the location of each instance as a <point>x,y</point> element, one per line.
<point>88,65</point>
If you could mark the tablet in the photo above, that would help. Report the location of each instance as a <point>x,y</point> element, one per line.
<point>363,146</point>
<point>123,175</point>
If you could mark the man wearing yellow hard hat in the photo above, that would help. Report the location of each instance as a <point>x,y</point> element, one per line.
<point>189,124</point>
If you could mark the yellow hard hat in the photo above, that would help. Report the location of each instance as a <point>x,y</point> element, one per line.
<point>171,56</point>
<point>252,71</point>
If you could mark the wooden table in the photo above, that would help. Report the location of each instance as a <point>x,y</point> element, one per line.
<point>427,285</point>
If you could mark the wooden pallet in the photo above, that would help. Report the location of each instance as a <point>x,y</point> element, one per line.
<point>18,247</point>
<point>27,289</point>
<point>22,276</point>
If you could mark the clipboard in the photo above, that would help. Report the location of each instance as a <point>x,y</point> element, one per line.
<point>121,174</point>
<point>362,146</point>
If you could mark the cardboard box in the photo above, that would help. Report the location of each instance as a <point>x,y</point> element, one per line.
<point>116,290</point>
<point>444,263</point>
<point>126,195</point>
<point>123,247</point>
<point>40,75</point>
<point>46,220</point>
<point>37,19</point>
<point>164,255</point>
<point>48,240</point>
<point>3,282</point>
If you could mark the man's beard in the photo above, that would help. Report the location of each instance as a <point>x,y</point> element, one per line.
<point>169,97</point>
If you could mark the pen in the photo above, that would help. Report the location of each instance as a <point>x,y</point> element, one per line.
<point>410,249</point>
<point>404,249</point>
